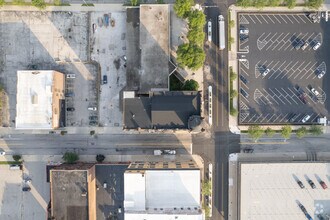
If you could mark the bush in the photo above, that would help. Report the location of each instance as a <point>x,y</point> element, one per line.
<point>100,158</point>
<point>233,93</point>
<point>286,131</point>
<point>290,3</point>
<point>39,4</point>
<point>92,132</point>
<point>196,36</point>
<point>316,130</point>
<point>191,56</point>
<point>301,132</point>
<point>233,111</point>
<point>206,188</point>
<point>255,132</point>
<point>70,157</point>
<point>196,19</point>
<point>2,2</point>
<point>243,3</point>
<point>175,83</point>
<point>207,211</point>
<point>233,75</point>
<point>231,23</point>
<point>260,3</point>
<point>134,2</point>
<point>314,3</point>
<point>182,7</point>
<point>190,85</point>
<point>17,157</point>
<point>269,132</point>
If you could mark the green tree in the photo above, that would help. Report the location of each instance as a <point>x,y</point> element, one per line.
<point>269,132</point>
<point>183,7</point>
<point>100,158</point>
<point>190,85</point>
<point>314,3</point>
<point>196,20</point>
<point>196,36</point>
<point>41,4</point>
<point>255,132</point>
<point>231,40</point>
<point>191,56</point>
<point>233,76</point>
<point>301,132</point>
<point>206,210</point>
<point>233,111</point>
<point>231,23</point>
<point>233,93</point>
<point>316,130</point>
<point>274,3</point>
<point>291,3</point>
<point>17,157</point>
<point>206,187</point>
<point>175,83</point>
<point>286,131</point>
<point>70,157</point>
<point>2,2</point>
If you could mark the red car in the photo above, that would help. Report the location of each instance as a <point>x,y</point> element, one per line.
<point>324,186</point>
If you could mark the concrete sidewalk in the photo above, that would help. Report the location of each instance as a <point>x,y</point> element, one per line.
<point>72,7</point>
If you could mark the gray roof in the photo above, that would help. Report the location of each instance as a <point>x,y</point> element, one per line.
<point>163,110</point>
<point>67,187</point>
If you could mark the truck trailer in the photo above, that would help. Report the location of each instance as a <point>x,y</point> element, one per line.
<point>222,33</point>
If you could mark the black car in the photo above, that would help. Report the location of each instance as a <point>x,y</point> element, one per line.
<point>92,118</point>
<point>244,80</point>
<point>70,109</point>
<point>105,79</point>
<point>311,183</point>
<point>244,93</point>
<point>300,184</point>
<point>299,45</point>
<point>26,189</point>
<point>69,94</point>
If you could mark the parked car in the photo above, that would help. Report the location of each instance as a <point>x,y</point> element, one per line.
<point>92,118</point>
<point>209,31</point>
<point>244,93</point>
<point>316,46</point>
<point>300,184</point>
<point>92,108</point>
<point>303,97</point>
<point>311,183</point>
<point>293,117</point>
<point>265,72</point>
<point>299,45</point>
<point>70,109</point>
<point>243,79</point>
<point>322,183</point>
<point>305,46</point>
<point>69,94</point>
<point>321,74</point>
<point>244,30</point>
<point>105,79</point>
<point>2,153</point>
<point>105,185</point>
<point>306,118</point>
<point>26,189</point>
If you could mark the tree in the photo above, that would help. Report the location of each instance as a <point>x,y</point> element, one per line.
<point>190,85</point>
<point>206,187</point>
<point>100,158</point>
<point>286,131</point>
<point>231,23</point>
<point>17,157</point>
<point>196,36</point>
<point>231,40</point>
<point>92,132</point>
<point>39,4</point>
<point>255,132</point>
<point>301,132</point>
<point>314,3</point>
<point>233,111</point>
<point>70,157</point>
<point>233,76</point>
<point>243,3</point>
<point>291,3</point>
<point>206,210</point>
<point>269,132</point>
<point>191,56</point>
<point>316,130</point>
<point>2,2</point>
<point>233,93</point>
<point>182,7</point>
<point>196,20</point>
<point>134,2</point>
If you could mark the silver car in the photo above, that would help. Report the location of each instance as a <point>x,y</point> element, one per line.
<point>321,74</point>
<point>306,118</point>
<point>266,72</point>
<point>316,46</point>
<point>209,31</point>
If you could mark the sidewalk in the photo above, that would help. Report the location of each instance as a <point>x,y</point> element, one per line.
<point>72,7</point>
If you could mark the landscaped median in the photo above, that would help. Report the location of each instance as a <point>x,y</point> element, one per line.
<point>232,92</point>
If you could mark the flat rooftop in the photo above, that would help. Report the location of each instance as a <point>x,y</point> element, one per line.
<point>161,192</point>
<point>67,194</point>
<point>154,44</point>
<point>270,190</point>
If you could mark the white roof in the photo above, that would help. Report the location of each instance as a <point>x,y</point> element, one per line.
<point>270,191</point>
<point>131,216</point>
<point>160,194</point>
<point>34,100</point>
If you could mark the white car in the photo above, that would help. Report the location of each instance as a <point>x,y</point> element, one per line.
<point>315,92</point>
<point>92,108</point>
<point>266,72</point>
<point>244,31</point>
<point>321,74</point>
<point>306,118</point>
<point>2,153</point>
<point>316,46</point>
<point>209,31</point>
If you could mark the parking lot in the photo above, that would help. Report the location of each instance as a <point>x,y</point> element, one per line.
<point>281,67</point>
<point>110,191</point>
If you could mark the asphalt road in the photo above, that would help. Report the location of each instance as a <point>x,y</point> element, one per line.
<point>87,145</point>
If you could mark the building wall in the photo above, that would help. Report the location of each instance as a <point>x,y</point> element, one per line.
<point>91,193</point>
<point>58,90</point>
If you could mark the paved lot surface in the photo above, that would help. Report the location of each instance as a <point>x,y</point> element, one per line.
<point>286,91</point>
<point>109,199</point>
<point>11,193</point>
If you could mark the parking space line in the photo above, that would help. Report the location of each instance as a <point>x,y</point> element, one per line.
<point>256,16</point>
<point>275,95</point>
<point>287,94</point>
<point>264,118</point>
<point>270,118</point>
<point>275,41</point>
<point>284,117</point>
<point>298,68</point>
<point>291,68</point>
<point>277,70</point>
<point>294,17</point>
<point>277,19</point>
<point>251,19</point>
<point>281,95</point>
<point>242,96</point>
<point>283,19</point>
<point>316,116</point>
<point>264,19</point>
<point>284,69</point>
<point>277,117</point>
<point>299,16</point>
<point>271,96</point>
<point>252,117</point>
<point>242,70</point>
<point>271,19</point>
<point>289,19</point>
<point>280,42</point>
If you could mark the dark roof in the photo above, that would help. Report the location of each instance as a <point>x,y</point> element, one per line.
<point>174,111</point>
<point>137,112</point>
<point>163,110</point>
